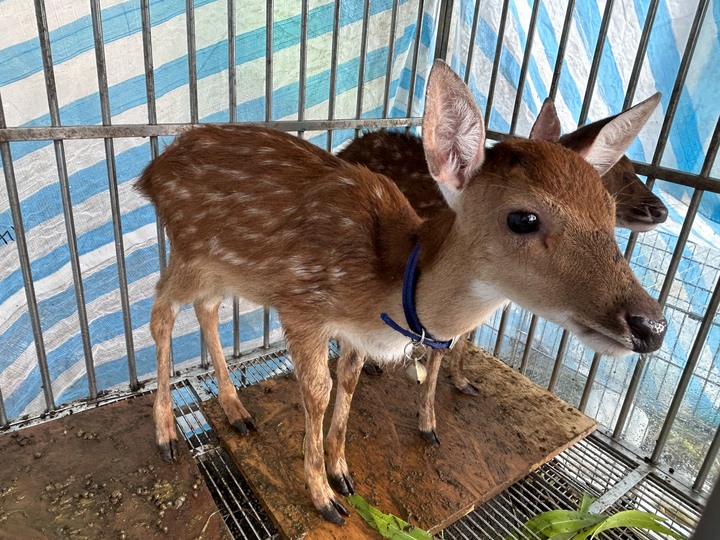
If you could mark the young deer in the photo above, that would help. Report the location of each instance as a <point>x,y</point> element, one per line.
<point>401,157</point>
<point>267,216</point>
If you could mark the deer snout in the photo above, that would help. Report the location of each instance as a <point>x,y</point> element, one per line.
<point>646,333</point>
<point>659,213</point>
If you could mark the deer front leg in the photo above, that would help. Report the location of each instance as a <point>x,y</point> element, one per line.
<point>459,379</point>
<point>427,411</point>
<point>309,354</point>
<point>349,366</point>
<point>207,314</point>
<point>162,320</point>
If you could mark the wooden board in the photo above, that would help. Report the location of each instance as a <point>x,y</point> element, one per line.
<point>97,474</point>
<point>487,443</point>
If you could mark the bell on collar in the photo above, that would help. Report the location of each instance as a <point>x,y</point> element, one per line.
<point>416,372</point>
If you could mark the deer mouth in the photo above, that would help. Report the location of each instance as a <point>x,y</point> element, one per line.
<point>602,340</point>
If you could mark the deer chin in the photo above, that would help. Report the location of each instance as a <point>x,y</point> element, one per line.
<point>600,340</point>
<point>635,225</point>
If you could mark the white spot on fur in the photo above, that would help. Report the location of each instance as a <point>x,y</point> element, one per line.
<point>233,259</point>
<point>346,181</point>
<point>214,244</point>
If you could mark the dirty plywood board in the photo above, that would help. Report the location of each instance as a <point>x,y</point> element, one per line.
<point>97,474</point>
<point>487,443</point>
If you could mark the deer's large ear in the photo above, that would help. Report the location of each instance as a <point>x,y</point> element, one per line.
<point>453,131</point>
<point>603,143</point>
<point>547,124</point>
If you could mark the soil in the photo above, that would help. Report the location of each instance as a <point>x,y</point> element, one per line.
<point>97,474</point>
<point>488,442</point>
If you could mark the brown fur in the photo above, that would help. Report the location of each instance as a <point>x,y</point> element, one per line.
<point>264,215</point>
<point>401,157</point>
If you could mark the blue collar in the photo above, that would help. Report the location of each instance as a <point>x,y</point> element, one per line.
<point>417,331</point>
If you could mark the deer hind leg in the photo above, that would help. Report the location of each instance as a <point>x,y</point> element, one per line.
<point>309,354</point>
<point>206,310</point>
<point>162,319</point>
<point>349,366</point>
<point>427,411</point>
<point>459,379</point>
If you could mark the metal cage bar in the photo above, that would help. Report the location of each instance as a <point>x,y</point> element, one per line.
<point>113,189</point>
<point>708,462</point>
<point>303,61</point>
<point>525,65</point>
<point>192,59</point>
<point>333,72</point>
<point>152,117</point>
<point>69,219</point>
<point>416,52</point>
<point>269,21</point>
<point>3,413</point>
<point>528,344</point>
<point>705,324</point>
<point>640,54</point>
<point>597,57</point>
<point>361,66</point>
<point>496,62</point>
<point>391,53</point>
<point>471,43</point>
<point>266,327</point>
<point>562,47</point>
<point>444,21</point>
<point>587,389</point>
<point>236,327</point>
<point>232,68</point>
<point>555,375</point>
<point>501,329</point>
<point>28,283</point>
<point>657,157</point>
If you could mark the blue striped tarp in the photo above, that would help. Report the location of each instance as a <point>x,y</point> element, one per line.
<point>25,104</point>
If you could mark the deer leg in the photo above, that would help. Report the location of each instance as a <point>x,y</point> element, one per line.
<point>457,360</point>
<point>207,314</point>
<point>309,354</point>
<point>349,366</point>
<point>427,411</point>
<point>162,319</point>
<point>371,367</point>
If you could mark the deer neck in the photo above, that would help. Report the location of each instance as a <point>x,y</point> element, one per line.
<point>450,300</point>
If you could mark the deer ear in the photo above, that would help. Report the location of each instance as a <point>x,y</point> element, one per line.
<point>453,131</point>
<point>603,148</point>
<point>547,124</point>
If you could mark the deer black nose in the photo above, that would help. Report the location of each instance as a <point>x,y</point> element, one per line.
<point>646,334</point>
<point>659,213</point>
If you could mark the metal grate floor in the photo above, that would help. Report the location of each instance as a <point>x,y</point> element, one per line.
<point>591,466</point>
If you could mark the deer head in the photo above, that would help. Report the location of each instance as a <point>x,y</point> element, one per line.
<point>637,208</point>
<point>536,222</point>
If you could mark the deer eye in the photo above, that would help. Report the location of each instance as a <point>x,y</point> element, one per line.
<point>523,222</point>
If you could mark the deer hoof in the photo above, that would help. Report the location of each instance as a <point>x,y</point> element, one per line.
<point>169,450</point>
<point>430,437</point>
<point>372,369</point>
<point>468,389</point>
<point>245,425</point>
<point>342,483</point>
<point>331,511</point>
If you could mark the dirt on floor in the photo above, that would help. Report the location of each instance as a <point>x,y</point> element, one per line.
<point>487,442</point>
<point>97,474</point>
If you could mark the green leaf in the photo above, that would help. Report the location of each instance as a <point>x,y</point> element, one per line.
<point>586,533</point>
<point>555,522</point>
<point>586,502</point>
<point>637,519</point>
<point>387,525</point>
